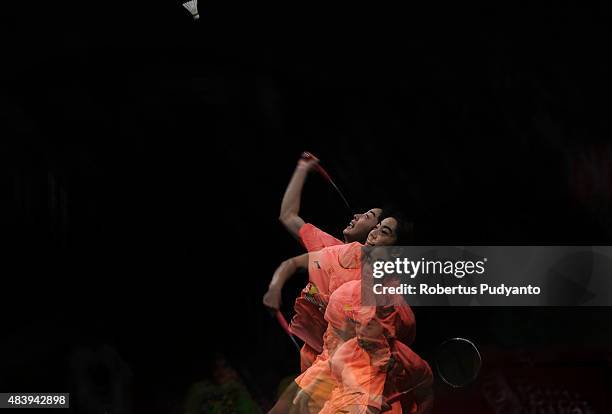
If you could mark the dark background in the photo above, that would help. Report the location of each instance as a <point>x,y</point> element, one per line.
<point>144,157</point>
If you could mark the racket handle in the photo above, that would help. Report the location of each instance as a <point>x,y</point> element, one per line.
<point>322,171</point>
<point>283,322</point>
<point>396,397</point>
<point>307,156</point>
<point>399,395</point>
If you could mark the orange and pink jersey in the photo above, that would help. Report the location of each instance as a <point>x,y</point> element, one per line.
<point>363,360</point>
<point>315,239</point>
<point>328,269</point>
<point>308,323</point>
<point>317,381</point>
<point>341,370</point>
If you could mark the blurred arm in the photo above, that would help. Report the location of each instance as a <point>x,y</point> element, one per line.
<point>272,298</point>
<point>290,206</point>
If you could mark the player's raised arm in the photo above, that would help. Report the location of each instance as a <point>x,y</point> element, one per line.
<point>290,206</point>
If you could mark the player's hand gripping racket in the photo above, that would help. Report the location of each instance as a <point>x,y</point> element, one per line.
<point>307,156</point>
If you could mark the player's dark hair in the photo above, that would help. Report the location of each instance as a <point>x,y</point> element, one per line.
<point>405,227</point>
<point>363,208</point>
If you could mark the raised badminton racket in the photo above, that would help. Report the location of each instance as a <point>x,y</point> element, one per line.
<point>309,156</point>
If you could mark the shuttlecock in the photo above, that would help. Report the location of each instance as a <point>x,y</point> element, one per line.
<point>192,6</point>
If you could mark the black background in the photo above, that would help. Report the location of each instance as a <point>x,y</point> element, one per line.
<point>144,157</point>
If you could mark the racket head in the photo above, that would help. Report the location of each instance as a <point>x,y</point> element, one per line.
<point>458,362</point>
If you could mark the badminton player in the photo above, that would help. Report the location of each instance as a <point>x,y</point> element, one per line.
<point>307,305</point>
<point>333,267</point>
<point>358,374</point>
<point>366,359</point>
<point>311,236</point>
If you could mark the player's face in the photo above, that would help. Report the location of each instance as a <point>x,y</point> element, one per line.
<point>361,224</point>
<point>369,332</point>
<point>384,234</point>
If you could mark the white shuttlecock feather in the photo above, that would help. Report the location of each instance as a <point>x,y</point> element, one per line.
<point>192,6</point>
